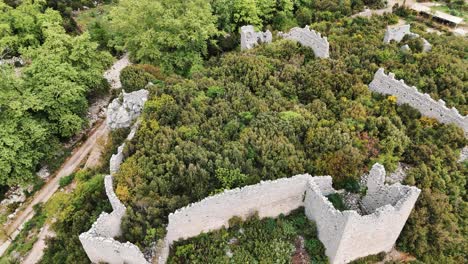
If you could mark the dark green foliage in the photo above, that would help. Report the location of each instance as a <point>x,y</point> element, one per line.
<point>337,201</point>
<point>265,241</point>
<point>370,259</point>
<point>64,181</point>
<point>136,77</point>
<point>47,102</point>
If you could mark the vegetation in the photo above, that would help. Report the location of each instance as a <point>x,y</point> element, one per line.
<point>170,33</point>
<point>337,201</point>
<point>264,241</point>
<point>136,77</point>
<point>219,122</point>
<point>26,238</point>
<point>74,213</point>
<point>48,101</point>
<point>277,111</point>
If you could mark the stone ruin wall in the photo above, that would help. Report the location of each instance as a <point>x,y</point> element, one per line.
<point>251,38</point>
<point>99,242</point>
<point>399,32</point>
<point>311,39</point>
<point>348,235</point>
<point>387,84</point>
<point>269,199</point>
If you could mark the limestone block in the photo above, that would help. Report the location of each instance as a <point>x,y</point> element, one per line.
<point>426,45</point>
<point>116,160</point>
<point>405,48</point>
<point>251,38</point>
<point>123,111</point>
<point>309,38</point>
<point>396,33</point>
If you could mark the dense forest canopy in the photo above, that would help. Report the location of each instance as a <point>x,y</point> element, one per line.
<point>46,100</point>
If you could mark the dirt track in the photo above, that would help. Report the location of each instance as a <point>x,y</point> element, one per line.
<point>70,165</point>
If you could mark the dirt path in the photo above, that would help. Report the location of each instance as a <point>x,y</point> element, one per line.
<point>70,165</point>
<point>90,147</point>
<point>36,252</point>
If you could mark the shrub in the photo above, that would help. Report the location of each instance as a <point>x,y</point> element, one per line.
<point>64,181</point>
<point>337,201</point>
<point>136,77</point>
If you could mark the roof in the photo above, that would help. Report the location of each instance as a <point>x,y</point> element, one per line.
<point>438,14</point>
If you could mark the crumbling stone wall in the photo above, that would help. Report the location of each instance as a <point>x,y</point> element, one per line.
<point>98,241</point>
<point>387,84</point>
<point>348,235</point>
<point>269,199</point>
<point>311,39</point>
<point>123,111</point>
<point>251,38</point>
<point>399,32</point>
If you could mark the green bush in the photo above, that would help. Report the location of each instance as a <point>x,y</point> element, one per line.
<point>136,77</point>
<point>64,181</point>
<point>337,201</point>
<point>255,240</point>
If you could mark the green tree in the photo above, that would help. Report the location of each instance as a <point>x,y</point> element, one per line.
<point>168,33</point>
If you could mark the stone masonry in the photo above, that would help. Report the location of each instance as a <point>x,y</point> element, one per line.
<point>311,39</point>
<point>346,235</point>
<point>387,84</point>
<point>251,38</point>
<point>98,241</point>
<point>123,111</point>
<point>399,32</point>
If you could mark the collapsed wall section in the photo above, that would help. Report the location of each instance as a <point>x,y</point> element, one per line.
<point>423,102</point>
<point>396,33</point>
<point>309,38</point>
<point>251,38</point>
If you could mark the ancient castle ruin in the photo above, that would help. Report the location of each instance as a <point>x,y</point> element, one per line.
<point>309,38</point>
<point>399,32</point>
<point>387,84</point>
<point>346,235</point>
<point>251,38</point>
<point>305,36</point>
<point>98,241</point>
